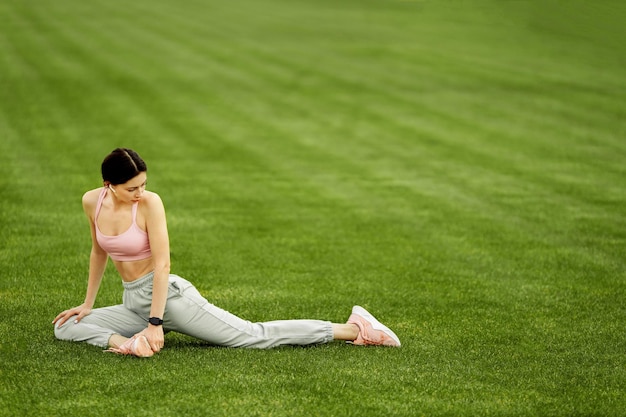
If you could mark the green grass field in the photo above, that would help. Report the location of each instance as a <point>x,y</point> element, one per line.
<point>456,167</point>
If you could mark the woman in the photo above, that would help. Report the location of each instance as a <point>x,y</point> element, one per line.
<point>128,225</point>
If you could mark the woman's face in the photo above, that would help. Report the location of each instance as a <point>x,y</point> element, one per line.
<point>132,190</point>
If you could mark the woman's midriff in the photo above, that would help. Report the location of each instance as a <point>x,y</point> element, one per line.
<point>130,271</point>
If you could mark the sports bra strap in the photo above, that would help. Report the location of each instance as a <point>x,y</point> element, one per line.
<point>135,212</point>
<point>100,199</point>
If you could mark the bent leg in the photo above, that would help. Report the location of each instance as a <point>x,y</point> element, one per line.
<point>98,327</point>
<point>192,314</point>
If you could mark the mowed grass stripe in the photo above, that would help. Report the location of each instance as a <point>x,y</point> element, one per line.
<point>522,138</point>
<point>117,86</point>
<point>518,111</point>
<point>25,100</point>
<point>58,95</point>
<point>557,187</point>
<point>454,61</point>
<point>10,59</point>
<point>512,107</point>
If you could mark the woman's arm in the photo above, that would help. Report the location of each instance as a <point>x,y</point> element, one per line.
<point>156,226</point>
<point>97,263</point>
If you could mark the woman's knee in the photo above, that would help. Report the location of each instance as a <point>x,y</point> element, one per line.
<point>64,331</point>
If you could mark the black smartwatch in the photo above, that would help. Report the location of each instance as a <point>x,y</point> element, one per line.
<point>155,321</point>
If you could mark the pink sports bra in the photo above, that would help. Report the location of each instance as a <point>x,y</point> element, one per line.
<point>131,245</point>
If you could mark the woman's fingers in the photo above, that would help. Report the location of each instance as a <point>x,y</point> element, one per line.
<point>64,316</point>
<point>83,313</point>
<point>155,337</point>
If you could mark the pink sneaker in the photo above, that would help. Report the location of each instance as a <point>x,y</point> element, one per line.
<point>136,345</point>
<point>371,331</point>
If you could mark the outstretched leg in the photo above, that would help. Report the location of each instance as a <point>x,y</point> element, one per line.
<point>190,313</point>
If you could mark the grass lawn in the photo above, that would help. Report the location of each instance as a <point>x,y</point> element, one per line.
<point>456,167</point>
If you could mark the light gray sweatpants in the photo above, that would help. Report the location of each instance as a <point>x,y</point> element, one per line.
<point>188,312</point>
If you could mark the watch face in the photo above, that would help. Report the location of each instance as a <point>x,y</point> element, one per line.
<point>155,321</point>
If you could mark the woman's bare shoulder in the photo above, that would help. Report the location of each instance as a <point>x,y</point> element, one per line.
<point>150,197</point>
<point>90,198</point>
<point>151,201</point>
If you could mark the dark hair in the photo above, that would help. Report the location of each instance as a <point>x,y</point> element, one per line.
<point>122,165</point>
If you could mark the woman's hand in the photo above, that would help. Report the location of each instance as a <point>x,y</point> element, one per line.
<point>79,311</point>
<point>155,337</point>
